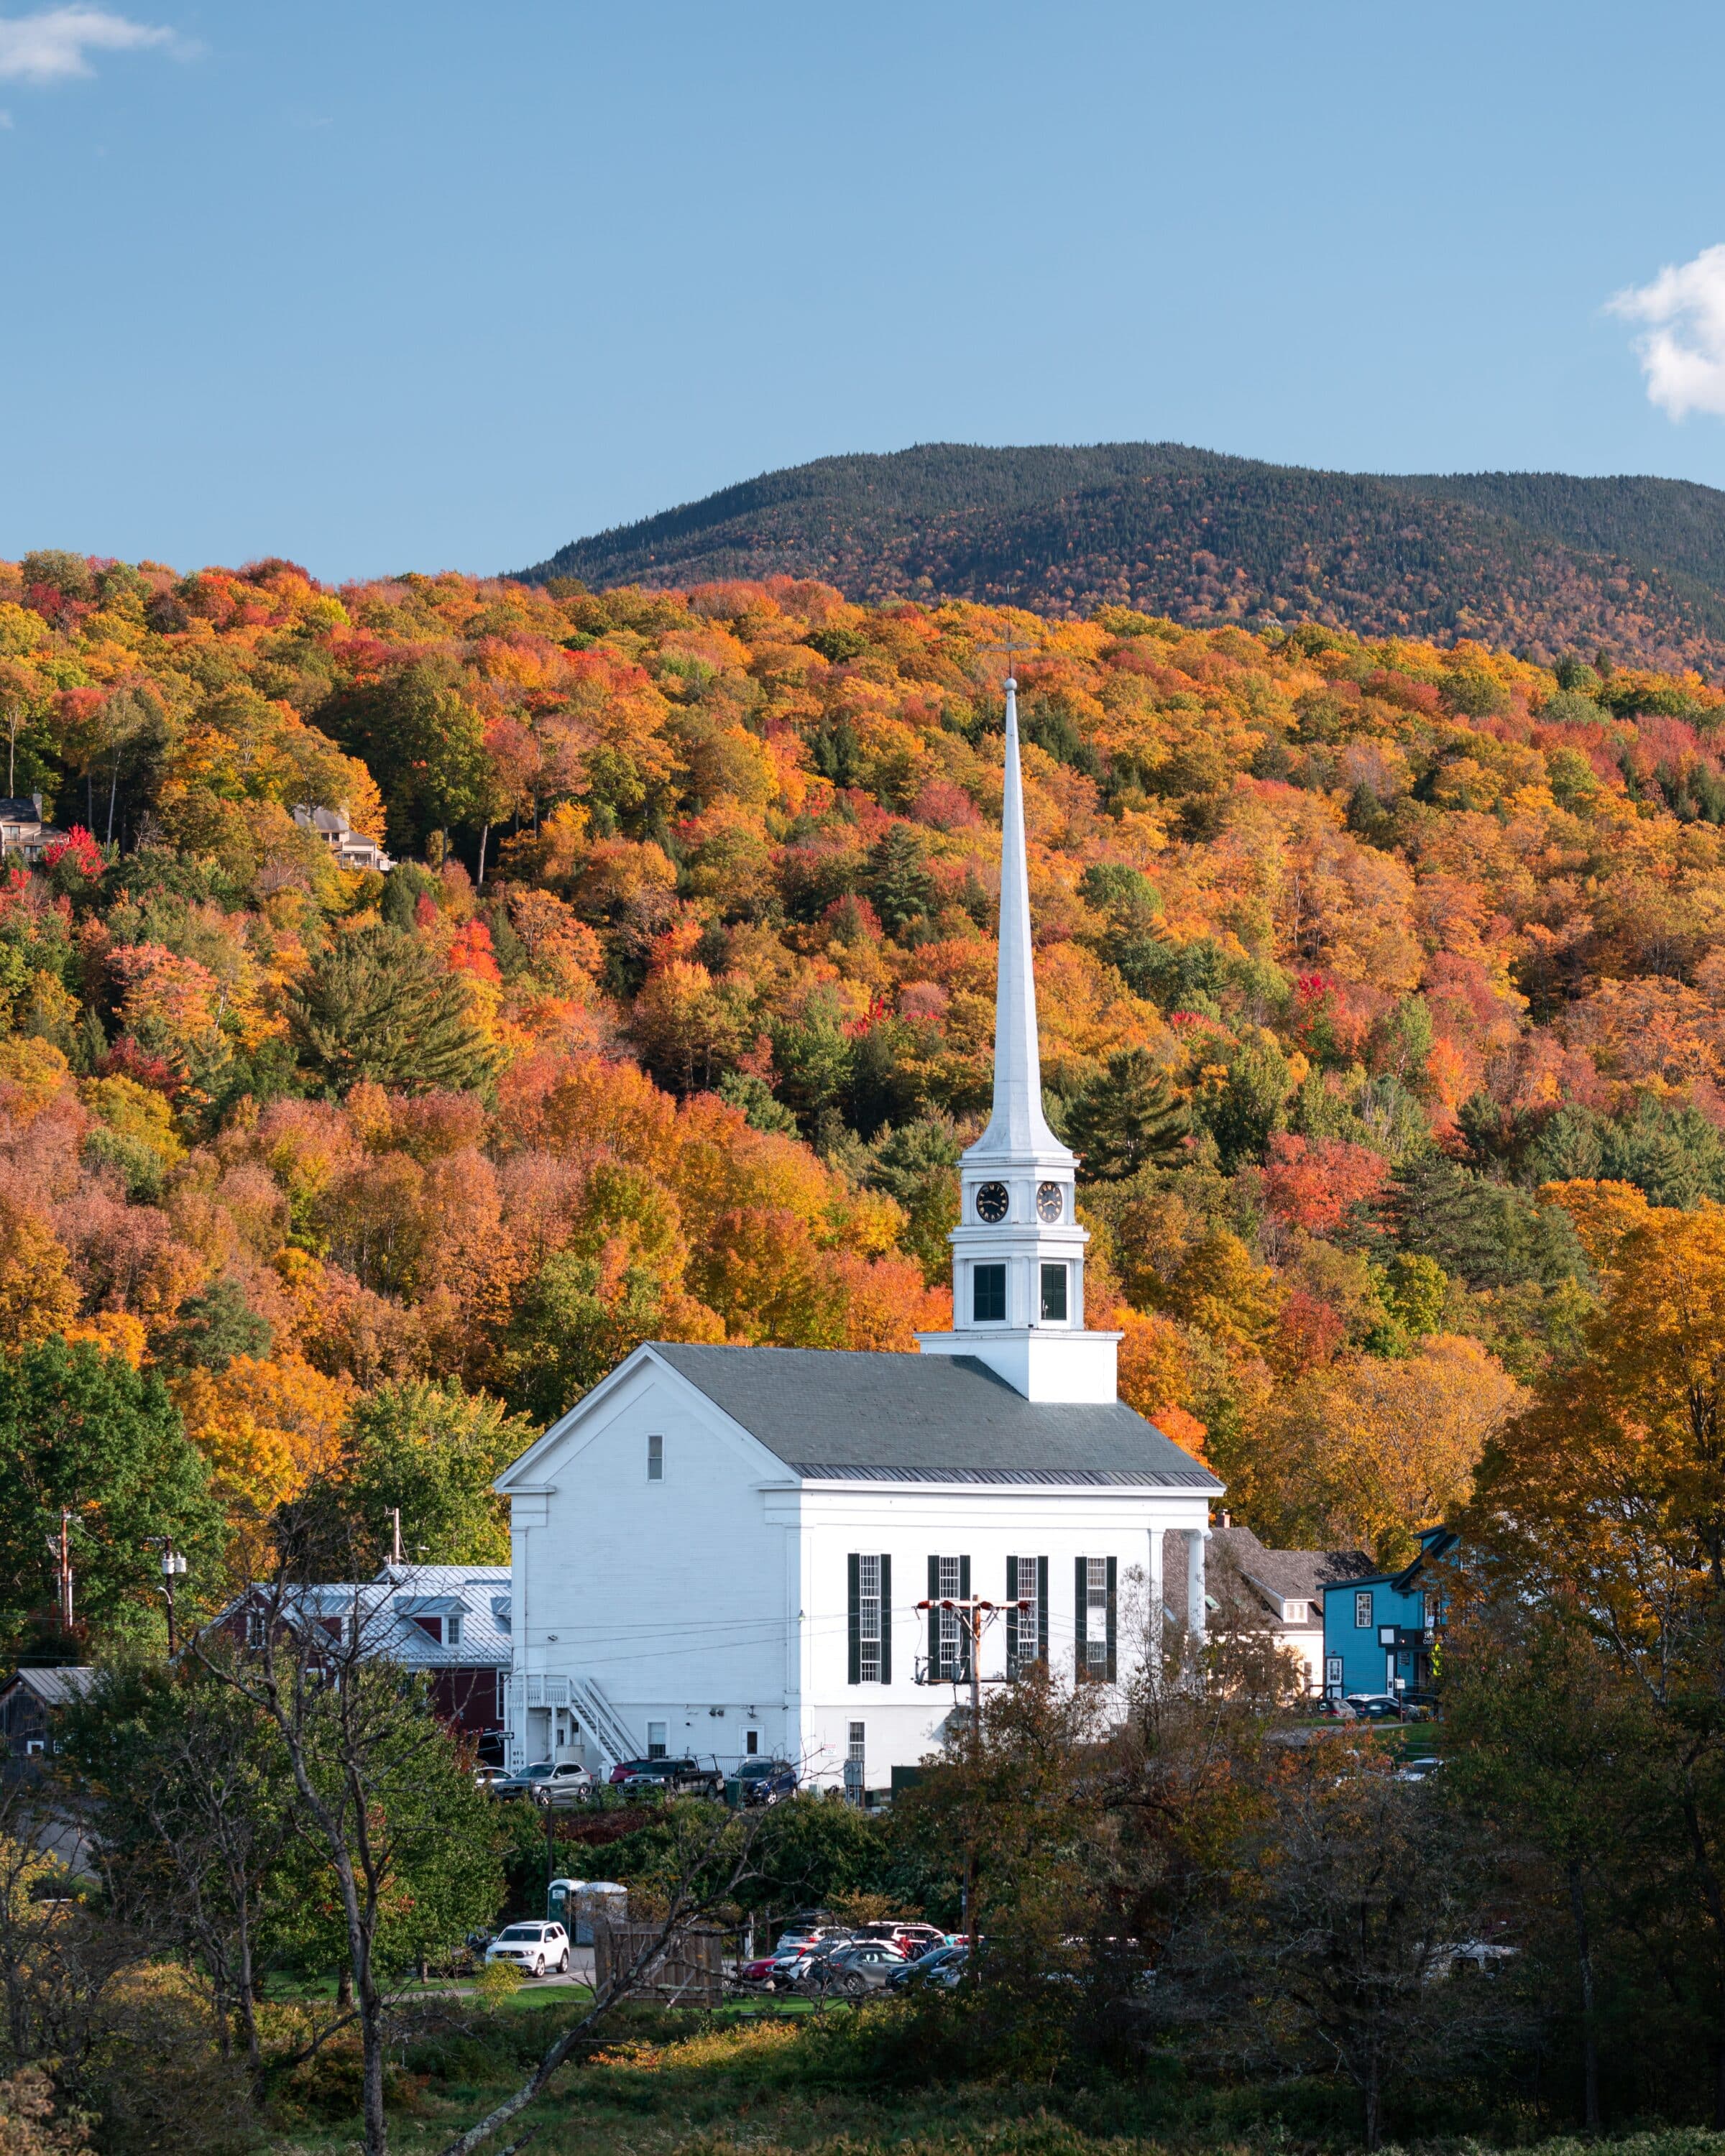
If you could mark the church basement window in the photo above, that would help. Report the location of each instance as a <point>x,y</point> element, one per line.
<point>870,1618</point>
<point>988,1295</point>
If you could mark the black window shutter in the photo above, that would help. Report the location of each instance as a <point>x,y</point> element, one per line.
<point>1113,1572</point>
<point>1080,1596</point>
<point>1042,1610</point>
<point>1012,1617</point>
<point>886,1620</point>
<point>964,1620</point>
<point>853,1564</point>
<point>935,1671</point>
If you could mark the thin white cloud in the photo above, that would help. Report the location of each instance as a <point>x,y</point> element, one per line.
<point>56,43</point>
<point>1681,348</point>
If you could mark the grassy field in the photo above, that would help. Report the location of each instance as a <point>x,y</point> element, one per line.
<point>754,2082</point>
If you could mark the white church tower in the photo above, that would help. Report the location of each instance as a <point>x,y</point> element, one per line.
<point>1017,1251</point>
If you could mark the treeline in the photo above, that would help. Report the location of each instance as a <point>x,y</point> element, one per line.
<point>1534,562</point>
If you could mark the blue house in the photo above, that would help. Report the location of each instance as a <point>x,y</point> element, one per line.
<point>1379,1630</point>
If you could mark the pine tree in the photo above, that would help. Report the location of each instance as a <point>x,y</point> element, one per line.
<point>1128,1118</point>
<point>378,1006</point>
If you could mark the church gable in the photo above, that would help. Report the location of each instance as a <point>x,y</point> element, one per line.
<point>614,1417</point>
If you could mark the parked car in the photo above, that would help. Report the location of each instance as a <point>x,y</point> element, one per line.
<point>520,1784</point>
<point>1376,1706</point>
<point>487,1777</point>
<point>533,1947</point>
<point>765,1781</point>
<point>1418,1770</point>
<point>757,1971</point>
<point>1335,1710</point>
<point>910,1939</point>
<point>859,1966</point>
<point>677,1777</point>
<point>941,1965</point>
<point>796,1950</point>
<point>567,1784</point>
<point>624,1767</point>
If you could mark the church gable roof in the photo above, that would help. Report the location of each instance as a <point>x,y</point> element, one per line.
<point>832,1415</point>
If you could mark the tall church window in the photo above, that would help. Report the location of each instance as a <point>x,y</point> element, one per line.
<point>1054,1293</point>
<point>948,1630</point>
<point>1094,1595</point>
<point>988,1295</point>
<point>870,1618</point>
<point>1026,1630</point>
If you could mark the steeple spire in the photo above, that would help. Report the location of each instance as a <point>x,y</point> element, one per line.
<point>1017,1125</point>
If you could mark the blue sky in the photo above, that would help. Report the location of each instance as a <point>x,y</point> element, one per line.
<point>380,286</point>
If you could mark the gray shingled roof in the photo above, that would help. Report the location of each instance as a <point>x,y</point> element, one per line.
<point>830,1414</point>
<point>1289,1575</point>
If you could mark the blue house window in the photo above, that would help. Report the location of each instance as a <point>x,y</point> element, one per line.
<point>988,1295</point>
<point>1362,1611</point>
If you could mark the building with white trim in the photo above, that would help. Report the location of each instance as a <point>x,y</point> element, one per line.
<point>719,1551</point>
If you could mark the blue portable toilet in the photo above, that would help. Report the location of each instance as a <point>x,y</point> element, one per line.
<point>1380,1630</point>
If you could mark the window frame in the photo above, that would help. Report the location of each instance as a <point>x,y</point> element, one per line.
<point>1362,1609</point>
<point>655,1456</point>
<point>1056,1270</point>
<point>993,1272</point>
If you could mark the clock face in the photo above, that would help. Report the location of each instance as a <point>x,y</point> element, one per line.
<point>991,1203</point>
<point>1050,1202</point>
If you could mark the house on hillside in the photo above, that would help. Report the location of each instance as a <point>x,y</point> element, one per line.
<point>1280,1590</point>
<point>1381,1630</point>
<point>726,1551</point>
<point>30,1705</point>
<point>351,848</point>
<point>24,832</point>
<point>448,1622</point>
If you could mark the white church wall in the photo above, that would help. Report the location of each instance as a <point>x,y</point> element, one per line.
<point>670,1591</point>
<point>901,1720</point>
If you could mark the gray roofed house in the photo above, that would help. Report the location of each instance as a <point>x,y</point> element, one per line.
<point>24,830</point>
<point>351,848</point>
<point>1282,1590</point>
<point>726,1551</point>
<point>31,1700</point>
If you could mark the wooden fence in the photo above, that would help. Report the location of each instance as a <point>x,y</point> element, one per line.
<point>688,1970</point>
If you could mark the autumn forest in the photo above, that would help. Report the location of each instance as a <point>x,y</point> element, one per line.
<point>1363,966</point>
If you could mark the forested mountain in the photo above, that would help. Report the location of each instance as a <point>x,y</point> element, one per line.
<point>1535,562</point>
<point>676,1011</point>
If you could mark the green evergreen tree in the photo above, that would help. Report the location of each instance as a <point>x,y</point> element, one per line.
<point>1127,1119</point>
<point>377,1005</point>
<point>899,884</point>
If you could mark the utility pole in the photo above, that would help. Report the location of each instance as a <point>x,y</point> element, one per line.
<point>59,1548</point>
<point>173,1567</point>
<point>976,1612</point>
<point>395,1523</point>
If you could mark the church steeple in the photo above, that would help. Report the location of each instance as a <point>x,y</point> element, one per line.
<point>1017,1251</point>
<point>1018,1127</point>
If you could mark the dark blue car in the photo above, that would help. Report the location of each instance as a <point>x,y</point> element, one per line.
<point>765,1781</point>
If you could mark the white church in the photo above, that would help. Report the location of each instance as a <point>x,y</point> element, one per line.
<point>721,1552</point>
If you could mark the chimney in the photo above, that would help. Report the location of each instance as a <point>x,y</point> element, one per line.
<point>36,803</point>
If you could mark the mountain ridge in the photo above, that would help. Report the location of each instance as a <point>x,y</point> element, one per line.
<point>1543,563</point>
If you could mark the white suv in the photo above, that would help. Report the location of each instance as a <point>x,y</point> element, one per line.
<point>533,1947</point>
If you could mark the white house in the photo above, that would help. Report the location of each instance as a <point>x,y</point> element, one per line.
<point>720,1551</point>
<point>1281,1591</point>
<point>351,848</point>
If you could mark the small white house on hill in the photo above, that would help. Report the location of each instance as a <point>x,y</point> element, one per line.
<point>720,1551</point>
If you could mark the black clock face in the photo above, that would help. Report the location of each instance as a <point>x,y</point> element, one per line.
<point>991,1202</point>
<point>1050,1202</point>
